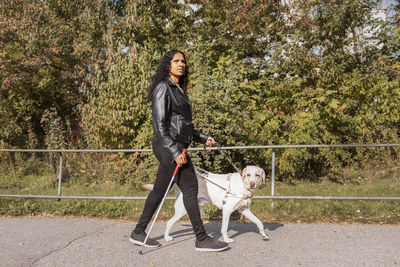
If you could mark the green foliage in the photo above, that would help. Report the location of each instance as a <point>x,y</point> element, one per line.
<point>117,110</point>
<point>46,47</point>
<point>75,74</point>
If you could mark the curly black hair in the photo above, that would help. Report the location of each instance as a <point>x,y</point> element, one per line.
<point>162,73</point>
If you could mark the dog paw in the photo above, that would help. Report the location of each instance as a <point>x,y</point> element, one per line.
<point>264,236</point>
<point>168,238</point>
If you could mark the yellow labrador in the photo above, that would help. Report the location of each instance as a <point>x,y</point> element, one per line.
<point>228,192</point>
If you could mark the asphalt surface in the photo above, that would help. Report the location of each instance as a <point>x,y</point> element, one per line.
<point>93,242</point>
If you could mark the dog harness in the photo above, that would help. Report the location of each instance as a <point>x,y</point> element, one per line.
<point>228,190</point>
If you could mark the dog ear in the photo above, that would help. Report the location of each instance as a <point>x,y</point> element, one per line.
<point>263,176</point>
<point>243,172</point>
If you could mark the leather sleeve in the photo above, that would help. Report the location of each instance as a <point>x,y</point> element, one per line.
<point>199,137</point>
<point>162,111</point>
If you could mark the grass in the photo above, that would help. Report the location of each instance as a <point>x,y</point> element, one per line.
<point>362,183</point>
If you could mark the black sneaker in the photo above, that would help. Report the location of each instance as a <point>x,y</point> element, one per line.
<point>138,239</point>
<point>210,244</point>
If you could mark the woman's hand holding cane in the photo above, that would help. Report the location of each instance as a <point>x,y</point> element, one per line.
<point>181,159</point>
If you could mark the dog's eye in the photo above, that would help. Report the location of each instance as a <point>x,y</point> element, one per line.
<point>248,174</point>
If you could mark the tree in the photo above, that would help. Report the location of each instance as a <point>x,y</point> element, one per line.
<point>262,72</point>
<point>47,48</point>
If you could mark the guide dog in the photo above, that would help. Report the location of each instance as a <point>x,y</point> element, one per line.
<point>228,192</point>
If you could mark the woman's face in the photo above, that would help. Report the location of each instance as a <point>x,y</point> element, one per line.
<point>177,66</point>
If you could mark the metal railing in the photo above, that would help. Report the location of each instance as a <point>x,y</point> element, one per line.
<point>59,196</point>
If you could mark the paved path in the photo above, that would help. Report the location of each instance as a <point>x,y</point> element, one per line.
<point>93,242</point>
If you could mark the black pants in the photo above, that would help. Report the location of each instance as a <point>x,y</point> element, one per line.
<point>187,182</point>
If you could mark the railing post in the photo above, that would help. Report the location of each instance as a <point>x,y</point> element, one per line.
<point>273,178</point>
<point>60,177</point>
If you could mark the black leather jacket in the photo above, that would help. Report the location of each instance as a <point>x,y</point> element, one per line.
<point>172,121</point>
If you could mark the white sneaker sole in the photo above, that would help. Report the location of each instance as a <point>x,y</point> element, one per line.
<point>212,249</point>
<point>136,242</point>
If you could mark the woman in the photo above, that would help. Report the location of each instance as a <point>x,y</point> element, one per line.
<point>174,131</point>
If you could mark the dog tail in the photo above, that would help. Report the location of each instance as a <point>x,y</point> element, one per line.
<point>148,187</point>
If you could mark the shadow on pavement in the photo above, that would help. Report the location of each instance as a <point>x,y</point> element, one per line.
<point>242,228</point>
<point>214,229</point>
